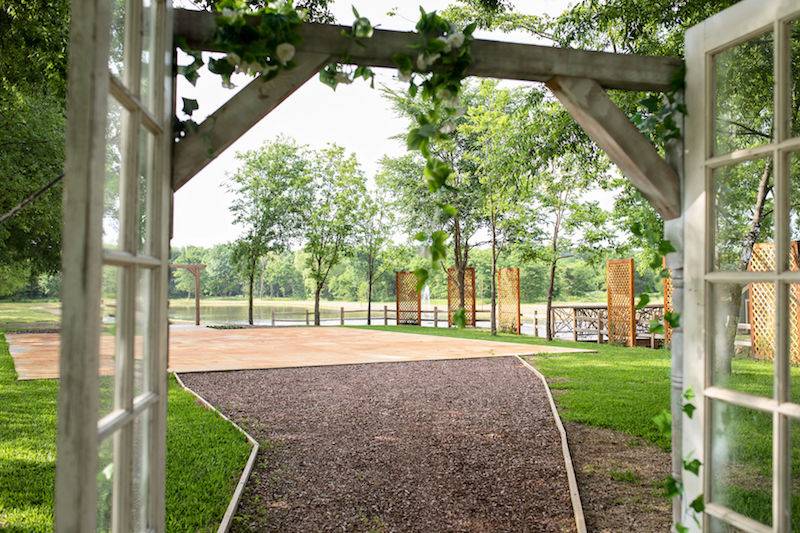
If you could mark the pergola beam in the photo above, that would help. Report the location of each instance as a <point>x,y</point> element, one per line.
<point>490,59</point>
<point>625,145</point>
<point>240,113</point>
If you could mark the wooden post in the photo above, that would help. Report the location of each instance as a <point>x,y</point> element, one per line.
<point>599,326</point>
<point>385,315</point>
<point>535,323</point>
<point>273,318</point>
<point>341,316</point>
<point>575,324</point>
<point>308,320</point>
<point>436,316</point>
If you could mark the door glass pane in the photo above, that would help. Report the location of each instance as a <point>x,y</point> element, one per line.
<point>743,96</point>
<point>141,347</point>
<point>718,526</point>
<point>148,35</point>
<point>744,201</point>
<point>742,357</point>
<point>794,78</point>
<point>741,460</point>
<point>146,144</point>
<point>108,328</point>
<point>793,323</point>
<point>105,484</point>
<point>111,194</point>
<point>117,53</point>
<point>140,470</point>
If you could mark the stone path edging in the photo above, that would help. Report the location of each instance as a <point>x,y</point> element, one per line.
<point>574,493</point>
<point>227,518</point>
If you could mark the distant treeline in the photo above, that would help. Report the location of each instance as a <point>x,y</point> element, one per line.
<point>283,276</point>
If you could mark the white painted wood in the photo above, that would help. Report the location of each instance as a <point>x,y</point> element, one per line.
<point>730,27</point>
<point>574,493</point>
<point>84,171</point>
<point>625,145</point>
<point>491,59</point>
<point>239,114</point>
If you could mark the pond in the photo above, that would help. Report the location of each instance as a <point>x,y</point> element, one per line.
<point>236,312</point>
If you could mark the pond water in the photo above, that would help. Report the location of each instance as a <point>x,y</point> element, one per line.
<point>236,313</point>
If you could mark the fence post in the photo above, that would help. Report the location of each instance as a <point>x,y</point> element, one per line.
<point>341,316</point>
<point>273,318</point>
<point>385,315</point>
<point>575,324</point>
<point>535,323</point>
<point>436,316</point>
<point>308,321</point>
<point>599,326</point>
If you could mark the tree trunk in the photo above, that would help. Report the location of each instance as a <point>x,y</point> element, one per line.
<point>251,280</point>
<point>494,278</point>
<point>551,286</point>
<point>317,292</point>
<point>370,273</point>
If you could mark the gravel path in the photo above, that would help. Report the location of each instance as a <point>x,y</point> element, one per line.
<point>462,445</point>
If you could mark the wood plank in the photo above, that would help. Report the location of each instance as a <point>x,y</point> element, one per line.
<point>84,174</point>
<point>491,59</point>
<point>237,115</point>
<point>625,145</point>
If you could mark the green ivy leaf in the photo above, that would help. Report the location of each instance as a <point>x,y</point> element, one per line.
<point>449,210</point>
<point>656,327</point>
<point>460,318</point>
<point>422,276</point>
<point>698,505</point>
<point>644,299</point>
<point>328,76</point>
<point>688,394</point>
<point>680,528</point>
<point>663,422</point>
<point>692,466</point>
<point>672,487</point>
<point>672,318</point>
<point>190,106</point>
<point>689,409</point>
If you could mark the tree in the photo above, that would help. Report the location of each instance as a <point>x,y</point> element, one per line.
<point>493,123</point>
<point>421,208</point>
<point>334,210</point>
<point>272,190</point>
<point>373,237</point>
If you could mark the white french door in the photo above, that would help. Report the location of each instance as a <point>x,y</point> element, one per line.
<point>117,194</point>
<point>742,310</point>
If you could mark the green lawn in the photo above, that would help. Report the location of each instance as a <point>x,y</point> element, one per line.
<point>205,456</point>
<point>624,388</point>
<point>32,313</point>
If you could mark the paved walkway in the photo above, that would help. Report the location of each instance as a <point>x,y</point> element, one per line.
<point>198,349</point>
<point>425,446</point>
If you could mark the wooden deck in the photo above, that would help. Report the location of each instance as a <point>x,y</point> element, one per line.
<point>199,349</point>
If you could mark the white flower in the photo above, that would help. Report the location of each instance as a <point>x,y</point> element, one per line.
<point>285,52</point>
<point>447,45</point>
<point>447,127</point>
<point>456,39</point>
<point>405,77</point>
<point>233,58</point>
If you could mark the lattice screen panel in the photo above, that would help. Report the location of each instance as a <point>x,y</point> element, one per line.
<point>761,304</point>
<point>621,312</point>
<point>667,305</point>
<point>409,301</point>
<point>469,295</point>
<point>508,304</point>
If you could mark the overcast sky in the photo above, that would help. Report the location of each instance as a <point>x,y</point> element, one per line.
<point>313,115</point>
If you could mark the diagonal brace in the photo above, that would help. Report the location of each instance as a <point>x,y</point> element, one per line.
<point>240,113</point>
<point>625,145</point>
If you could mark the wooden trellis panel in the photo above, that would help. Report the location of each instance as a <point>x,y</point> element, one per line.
<point>508,301</point>
<point>761,304</point>
<point>621,312</point>
<point>409,299</point>
<point>469,295</point>
<point>667,305</point>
